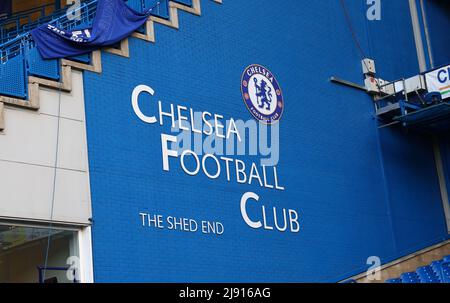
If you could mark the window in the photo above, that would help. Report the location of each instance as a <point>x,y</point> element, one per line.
<point>23,251</point>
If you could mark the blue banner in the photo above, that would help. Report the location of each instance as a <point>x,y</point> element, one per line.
<point>114,21</point>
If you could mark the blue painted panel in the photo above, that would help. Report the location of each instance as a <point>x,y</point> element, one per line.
<point>37,66</point>
<point>12,77</point>
<point>82,58</point>
<point>162,10</point>
<point>185,2</point>
<point>360,191</point>
<point>135,4</point>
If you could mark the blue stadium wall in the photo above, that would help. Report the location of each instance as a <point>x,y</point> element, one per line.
<point>360,191</point>
<point>438,19</point>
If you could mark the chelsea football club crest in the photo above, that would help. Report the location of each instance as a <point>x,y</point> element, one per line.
<point>262,94</point>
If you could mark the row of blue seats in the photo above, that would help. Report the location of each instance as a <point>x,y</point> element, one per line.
<point>436,272</point>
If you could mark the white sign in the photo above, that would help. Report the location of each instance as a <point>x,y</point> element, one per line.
<point>232,169</point>
<point>439,81</point>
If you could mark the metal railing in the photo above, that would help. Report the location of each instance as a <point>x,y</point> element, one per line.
<point>19,57</point>
<point>85,15</point>
<point>18,23</point>
<point>16,46</point>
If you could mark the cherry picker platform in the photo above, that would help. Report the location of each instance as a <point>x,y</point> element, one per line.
<point>421,102</point>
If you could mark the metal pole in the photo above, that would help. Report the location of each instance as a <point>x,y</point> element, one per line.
<point>442,180</point>
<point>440,170</point>
<point>417,35</point>
<point>427,33</point>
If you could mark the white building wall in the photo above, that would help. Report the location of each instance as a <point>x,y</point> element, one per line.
<point>27,159</point>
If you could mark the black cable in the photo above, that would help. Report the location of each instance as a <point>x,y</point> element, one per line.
<point>351,28</point>
<point>54,184</point>
<point>355,38</point>
<point>47,252</point>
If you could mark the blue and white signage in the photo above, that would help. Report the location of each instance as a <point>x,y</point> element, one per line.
<point>439,81</point>
<point>262,94</point>
<point>229,168</point>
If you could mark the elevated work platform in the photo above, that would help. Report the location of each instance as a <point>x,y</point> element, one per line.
<point>435,118</point>
<point>421,102</point>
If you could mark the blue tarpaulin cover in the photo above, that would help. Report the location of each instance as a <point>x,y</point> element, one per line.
<point>113,21</point>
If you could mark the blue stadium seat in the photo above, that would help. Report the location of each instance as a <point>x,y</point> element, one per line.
<point>437,268</point>
<point>394,281</point>
<point>442,270</point>
<point>445,272</point>
<point>410,277</point>
<point>436,272</point>
<point>426,274</point>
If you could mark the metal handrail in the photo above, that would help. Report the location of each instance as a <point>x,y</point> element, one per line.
<point>12,25</point>
<point>16,45</point>
<point>395,92</point>
<point>22,49</point>
<point>26,12</point>
<point>18,17</point>
<point>22,42</point>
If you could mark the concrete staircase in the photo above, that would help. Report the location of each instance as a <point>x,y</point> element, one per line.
<point>65,83</point>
